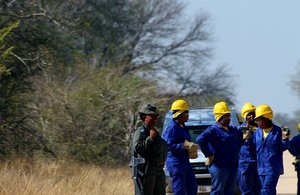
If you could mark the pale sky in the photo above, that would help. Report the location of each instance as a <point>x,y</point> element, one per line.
<point>260,41</point>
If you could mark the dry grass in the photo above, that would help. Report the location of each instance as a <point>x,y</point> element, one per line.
<point>65,178</point>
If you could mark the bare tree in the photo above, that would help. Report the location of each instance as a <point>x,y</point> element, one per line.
<point>147,35</point>
<point>295,82</point>
<point>80,66</point>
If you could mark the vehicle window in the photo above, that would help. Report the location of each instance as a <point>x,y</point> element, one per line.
<point>196,130</point>
<point>201,115</point>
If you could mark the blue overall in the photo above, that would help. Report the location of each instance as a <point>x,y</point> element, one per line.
<point>294,149</point>
<point>269,153</point>
<point>178,164</point>
<point>224,145</point>
<point>247,172</point>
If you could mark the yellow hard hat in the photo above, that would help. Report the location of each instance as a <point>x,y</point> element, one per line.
<point>298,126</point>
<point>180,106</point>
<point>220,109</point>
<point>246,109</point>
<point>265,111</point>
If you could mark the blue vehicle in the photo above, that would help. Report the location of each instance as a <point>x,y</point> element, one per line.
<point>199,120</point>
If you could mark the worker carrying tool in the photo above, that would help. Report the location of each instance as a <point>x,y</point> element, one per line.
<point>270,142</point>
<point>180,149</point>
<point>247,172</point>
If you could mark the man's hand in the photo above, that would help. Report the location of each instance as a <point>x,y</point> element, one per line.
<point>190,146</point>
<point>285,132</point>
<point>209,160</point>
<point>153,133</point>
<point>247,134</point>
<point>193,154</point>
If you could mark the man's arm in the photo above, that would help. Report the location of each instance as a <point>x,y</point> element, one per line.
<point>140,142</point>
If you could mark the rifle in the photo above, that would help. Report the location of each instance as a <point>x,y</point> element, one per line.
<point>138,171</point>
<point>137,174</point>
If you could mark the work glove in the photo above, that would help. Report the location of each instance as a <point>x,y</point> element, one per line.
<point>193,154</point>
<point>247,134</point>
<point>209,160</point>
<point>190,146</point>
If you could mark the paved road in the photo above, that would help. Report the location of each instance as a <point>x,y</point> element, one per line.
<point>288,181</point>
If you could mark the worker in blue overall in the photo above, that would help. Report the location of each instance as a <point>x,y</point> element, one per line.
<point>294,149</point>
<point>220,144</point>
<point>179,146</point>
<point>270,142</point>
<point>247,172</point>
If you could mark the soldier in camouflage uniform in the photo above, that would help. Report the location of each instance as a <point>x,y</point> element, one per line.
<point>147,143</point>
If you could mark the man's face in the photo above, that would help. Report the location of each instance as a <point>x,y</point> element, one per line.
<point>184,117</point>
<point>250,116</point>
<point>151,120</point>
<point>261,122</point>
<point>225,120</point>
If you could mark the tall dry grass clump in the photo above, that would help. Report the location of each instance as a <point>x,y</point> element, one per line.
<point>28,177</point>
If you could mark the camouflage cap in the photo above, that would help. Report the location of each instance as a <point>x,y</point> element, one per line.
<point>149,109</point>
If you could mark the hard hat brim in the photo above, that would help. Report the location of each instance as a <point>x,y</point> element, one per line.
<point>179,112</point>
